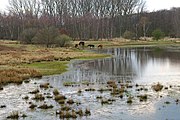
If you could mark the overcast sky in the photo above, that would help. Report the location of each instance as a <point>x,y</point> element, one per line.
<point>150,4</point>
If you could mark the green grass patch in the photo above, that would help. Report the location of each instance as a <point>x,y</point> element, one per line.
<point>49,68</point>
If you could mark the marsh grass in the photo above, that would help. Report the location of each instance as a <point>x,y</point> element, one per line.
<point>39,97</point>
<point>17,75</point>
<point>13,115</point>
<point>49,68</point>
<point>32,106</point>
<point>45,106</point>
<point>45,85</point>
<point>158,87</point>
<point>55,92</point>
<point>59,97</point>
<point>16,59</point>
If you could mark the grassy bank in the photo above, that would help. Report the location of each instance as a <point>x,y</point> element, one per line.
<point>19,61</point>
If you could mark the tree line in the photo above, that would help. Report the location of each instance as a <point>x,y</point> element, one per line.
<point>84,19</point>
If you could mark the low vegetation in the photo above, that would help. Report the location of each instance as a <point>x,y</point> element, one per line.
<point>19,61</point>
<point>158,87</point>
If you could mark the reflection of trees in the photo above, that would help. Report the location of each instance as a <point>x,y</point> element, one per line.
<point>126,63</point>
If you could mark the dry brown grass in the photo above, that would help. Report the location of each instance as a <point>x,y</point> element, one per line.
<point>14,55</point>
<point>17,75</point>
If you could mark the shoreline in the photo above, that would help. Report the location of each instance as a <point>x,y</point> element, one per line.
<point>41,61</point>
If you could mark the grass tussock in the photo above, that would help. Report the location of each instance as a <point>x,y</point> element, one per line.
<point>45,106</point>
<point>158,87</point>
<point>39,97</point>
<point>14,115</point>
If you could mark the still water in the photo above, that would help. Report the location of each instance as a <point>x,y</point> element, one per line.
<point>144,66</point>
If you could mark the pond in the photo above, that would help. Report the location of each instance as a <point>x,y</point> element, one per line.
<point>88,83</point>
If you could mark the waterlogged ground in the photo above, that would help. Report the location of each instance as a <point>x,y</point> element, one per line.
<point>132,71</point>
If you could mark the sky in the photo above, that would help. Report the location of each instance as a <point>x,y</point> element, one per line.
<point>151,5</point>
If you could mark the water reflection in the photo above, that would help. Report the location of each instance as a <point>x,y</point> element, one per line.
<point>134,64</point>
<point>144,65</point>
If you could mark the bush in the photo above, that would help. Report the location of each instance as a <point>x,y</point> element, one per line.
<point>128,35</point>
<point>27,35</point>
<point>46,36</point>
<point>62,40</point>
<point>157,34</point>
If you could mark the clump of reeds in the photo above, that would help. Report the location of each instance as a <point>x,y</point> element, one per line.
<point>13,115</point>
<point>158,87</point>
<point>39,97</point>
<point>34,91</point>
<point>129,100</point>
<point>87,112</point>
<point>32,106</point>
<point>101,90</point>
<point>45,106</point>
<point>80,112</point>
<point>55,92</point>
<point>89,89</point>
<point>59,97</point>
<point>143,98</point>
<point>26,97</point>
<point>112,83</point>
<point>45,85</point>
<point>70,101</point>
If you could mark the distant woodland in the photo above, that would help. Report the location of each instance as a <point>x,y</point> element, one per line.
<point>84,19</point>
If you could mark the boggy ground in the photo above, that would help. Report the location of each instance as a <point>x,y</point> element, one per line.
<point>19,62</point>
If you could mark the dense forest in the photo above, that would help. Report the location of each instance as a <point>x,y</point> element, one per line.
<point>85,19</point>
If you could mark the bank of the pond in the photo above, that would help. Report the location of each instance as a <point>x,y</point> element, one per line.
<point>19,62</point>
<point>57,67</point>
